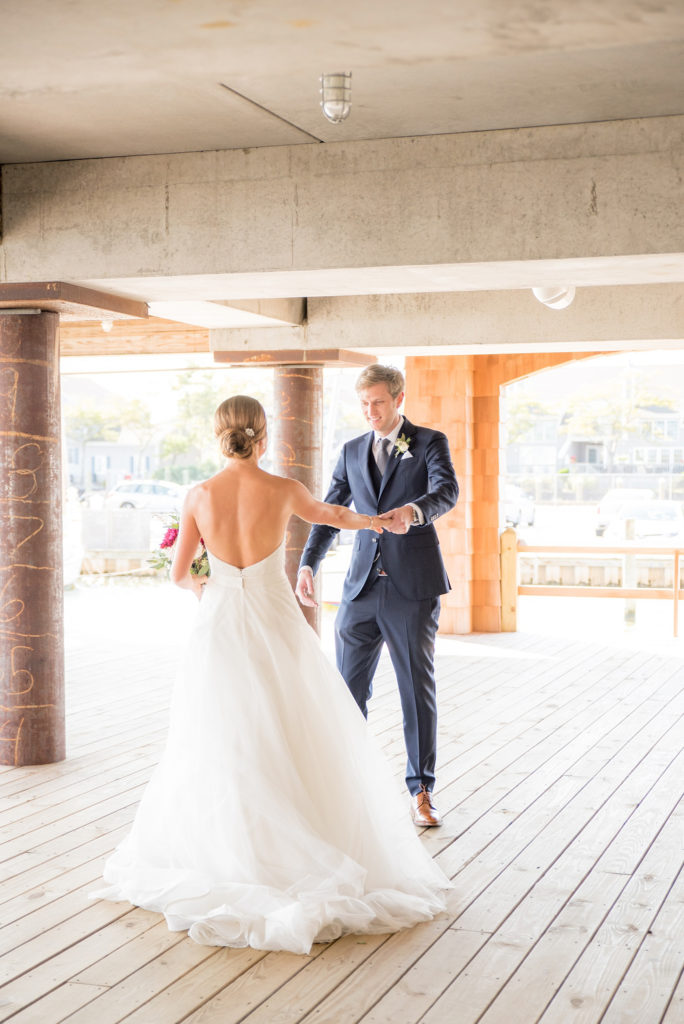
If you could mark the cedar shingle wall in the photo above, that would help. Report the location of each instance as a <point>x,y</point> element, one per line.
<point>460,395</point>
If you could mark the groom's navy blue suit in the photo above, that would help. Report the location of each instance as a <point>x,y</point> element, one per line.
<point>400,608</point>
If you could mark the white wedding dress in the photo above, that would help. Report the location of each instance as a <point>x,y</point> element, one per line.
<point>272,820</point>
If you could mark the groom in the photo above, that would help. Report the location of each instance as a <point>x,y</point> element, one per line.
<point>391,592</point>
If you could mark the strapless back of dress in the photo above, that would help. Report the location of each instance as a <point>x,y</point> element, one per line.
<point>271,566</point>
<point>272,819</point>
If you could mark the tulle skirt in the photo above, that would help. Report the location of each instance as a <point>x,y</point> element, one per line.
<point>272,820</point>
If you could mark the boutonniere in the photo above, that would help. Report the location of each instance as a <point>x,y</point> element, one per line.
<point>402,445</point>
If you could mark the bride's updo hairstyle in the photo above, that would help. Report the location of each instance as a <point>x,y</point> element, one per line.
<point>239,424</point>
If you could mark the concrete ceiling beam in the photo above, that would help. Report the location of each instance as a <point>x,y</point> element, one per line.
<point>599,319</point>
<point>587,192</point>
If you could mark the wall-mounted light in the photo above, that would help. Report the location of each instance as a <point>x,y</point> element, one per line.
<point>336,95</point>
<point>558,297</point>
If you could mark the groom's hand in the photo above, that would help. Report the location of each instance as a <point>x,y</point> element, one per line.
<point>398,520</point>
<point>305,588</point>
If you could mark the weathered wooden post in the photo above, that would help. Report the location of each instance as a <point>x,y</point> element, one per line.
<point>32,725</point>
<point>31,577</point>
<point>298,434</point>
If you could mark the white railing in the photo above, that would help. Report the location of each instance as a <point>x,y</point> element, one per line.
<point>511,547</point>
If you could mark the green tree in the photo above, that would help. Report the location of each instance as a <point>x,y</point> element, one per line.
<point>189,448</point>
<point>136,420</point>
<point>522,413</point>
<point>190,445</point>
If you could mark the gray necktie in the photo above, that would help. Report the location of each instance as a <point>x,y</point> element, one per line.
<point>383,455</point>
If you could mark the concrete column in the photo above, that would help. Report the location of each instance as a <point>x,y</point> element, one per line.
<point>297,451</point>
<point>31,581</point>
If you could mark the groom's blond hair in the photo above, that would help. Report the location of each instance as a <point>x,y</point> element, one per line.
<point>379,374</point>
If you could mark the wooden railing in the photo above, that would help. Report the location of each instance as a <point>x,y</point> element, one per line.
<point>511,547</point>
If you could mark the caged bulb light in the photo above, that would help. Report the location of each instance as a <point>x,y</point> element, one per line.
<point>555,297</point>
<point>336,96</point>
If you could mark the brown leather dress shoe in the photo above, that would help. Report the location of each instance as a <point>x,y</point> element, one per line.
<point>423,811</point>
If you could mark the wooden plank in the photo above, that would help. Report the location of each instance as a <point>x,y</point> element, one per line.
<point>649,985</point>
<point>40,809</point>
<point>85,811</point>
<point>544,590</point>
<point>38,909</point>
<point>37,967</point>
<point>56,873</point>
<point>402,979</point>
<point>69,841</point>
<point>553,915</point>
<point>553,755</point>
<point>58,1004</point>
<point>674,1013</point>
<point>527,781</point>
<point>150,337</point>
<point>590,986</point>
<point>197,987</point>
<point>295,993</point>
<point>533,985</point>
<point>72,301</point>
<point>249,989</point>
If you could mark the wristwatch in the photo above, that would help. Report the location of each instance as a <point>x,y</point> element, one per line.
<point>416,518</point>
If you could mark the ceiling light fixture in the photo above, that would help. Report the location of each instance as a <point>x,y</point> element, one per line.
<point>559,297</point>
<point>106,325</point>
<point>336,96</point>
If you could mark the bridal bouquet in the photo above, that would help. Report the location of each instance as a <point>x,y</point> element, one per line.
<point>163,557</point>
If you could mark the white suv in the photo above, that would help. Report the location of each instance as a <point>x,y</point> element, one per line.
<point>156,495</point>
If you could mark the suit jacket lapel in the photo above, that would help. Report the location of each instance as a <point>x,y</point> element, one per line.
<point>407,429</point>
<point>366,454</point>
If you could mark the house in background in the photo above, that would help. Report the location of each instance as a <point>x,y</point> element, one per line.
<point>100,465</point>
<point>561,453</point>
<point>98,451</point>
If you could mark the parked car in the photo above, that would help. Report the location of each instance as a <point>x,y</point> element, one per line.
<point>156,495</point>
<point>518,507</point>
<point>611,502</point>
<point>652,520</point>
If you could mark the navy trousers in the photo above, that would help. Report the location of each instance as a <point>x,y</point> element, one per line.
<point>380,615</point>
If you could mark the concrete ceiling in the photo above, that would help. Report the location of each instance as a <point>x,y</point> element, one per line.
<point>125,77</point>
<point>83,80</point>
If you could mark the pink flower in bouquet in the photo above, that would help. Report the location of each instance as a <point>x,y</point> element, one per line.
<point>169,538</point>
<point>164,556</point>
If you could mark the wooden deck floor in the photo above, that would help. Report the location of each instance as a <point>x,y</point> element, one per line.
<point>560,773</point>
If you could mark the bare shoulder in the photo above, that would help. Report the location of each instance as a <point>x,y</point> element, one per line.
<point>287,490</point>
<point>196,494</point>
<point>278,483</point>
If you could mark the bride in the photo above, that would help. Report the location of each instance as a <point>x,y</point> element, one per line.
<point>271,820</point>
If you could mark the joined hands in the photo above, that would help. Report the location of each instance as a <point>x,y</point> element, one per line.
<point>398,520</point>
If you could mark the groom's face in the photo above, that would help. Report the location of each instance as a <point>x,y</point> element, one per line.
<point>379,408</point>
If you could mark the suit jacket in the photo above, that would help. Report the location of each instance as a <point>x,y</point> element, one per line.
<point>424,477</point>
